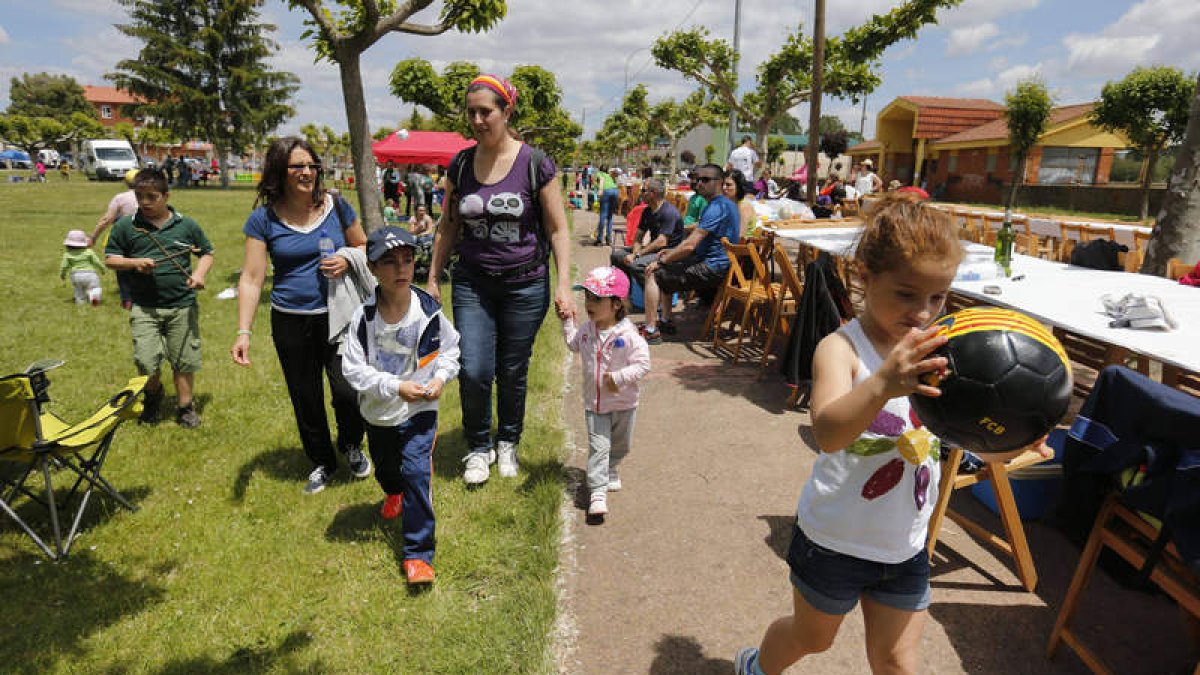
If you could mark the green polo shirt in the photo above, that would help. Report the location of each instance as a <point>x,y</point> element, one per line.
<point>166,285</point>
<point>694,208</point>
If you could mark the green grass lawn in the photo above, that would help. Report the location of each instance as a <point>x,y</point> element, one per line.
<point>226,567</point>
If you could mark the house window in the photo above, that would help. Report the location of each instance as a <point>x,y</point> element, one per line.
<point>991,163</point>
<point>1066,166</point>
<point>106,112</point>
<point>952,165</point>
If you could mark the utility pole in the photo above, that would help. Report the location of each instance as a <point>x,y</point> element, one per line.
<point>814,105</point>
<point>862,123</point>
<point>737,55</point>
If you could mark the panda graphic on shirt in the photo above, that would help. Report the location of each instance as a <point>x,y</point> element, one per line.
<point>503,209</point>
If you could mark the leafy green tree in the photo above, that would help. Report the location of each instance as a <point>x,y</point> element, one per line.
<point>538,117</point>
<point>1177,231</point>
<point>126,131</point>
<point>202,71</point>
<point>46,95</point>
<point>673,120</point>
<point>1027,111</point>
<point>787,123</point>
<point>828,124</point>
<point>343,29</point>
<point>784,80</point>
<point>834,143</point>
<point>709,151</point>
<point>36,133</point>
<point>382,133</point>
<point>1150,107</point>
<point>776,146</point>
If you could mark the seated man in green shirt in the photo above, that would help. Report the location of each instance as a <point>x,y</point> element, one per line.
<point>157,243</point>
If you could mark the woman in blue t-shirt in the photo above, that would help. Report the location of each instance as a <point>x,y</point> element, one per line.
<point>298,228</point>
<point>501,282</point>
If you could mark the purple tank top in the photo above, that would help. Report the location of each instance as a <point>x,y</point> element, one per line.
<point>498,230</point>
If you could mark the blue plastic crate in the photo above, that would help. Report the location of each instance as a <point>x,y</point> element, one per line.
<point>1034,488</point>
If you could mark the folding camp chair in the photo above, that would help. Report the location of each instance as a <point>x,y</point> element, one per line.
<point>38,444</point>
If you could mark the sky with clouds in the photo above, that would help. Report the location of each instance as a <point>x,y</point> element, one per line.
<point>979,49</point>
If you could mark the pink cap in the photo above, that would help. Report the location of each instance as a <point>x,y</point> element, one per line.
<point>606,282</point>
<point>78,239</point>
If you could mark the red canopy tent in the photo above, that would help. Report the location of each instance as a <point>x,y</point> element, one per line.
<point>421,147</point>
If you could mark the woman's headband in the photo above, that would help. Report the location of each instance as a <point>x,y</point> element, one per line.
<point>501,86</point>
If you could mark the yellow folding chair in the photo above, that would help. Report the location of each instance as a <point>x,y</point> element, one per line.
<point>36,443</point>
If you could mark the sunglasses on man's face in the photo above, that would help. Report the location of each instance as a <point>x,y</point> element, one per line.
<point>705,179</point>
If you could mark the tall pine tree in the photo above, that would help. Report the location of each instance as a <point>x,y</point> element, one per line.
<point>202,70</point>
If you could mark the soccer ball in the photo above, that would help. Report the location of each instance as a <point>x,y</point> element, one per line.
<point>1007,384</point>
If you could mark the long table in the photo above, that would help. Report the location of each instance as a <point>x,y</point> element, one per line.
<point>1066,296</point>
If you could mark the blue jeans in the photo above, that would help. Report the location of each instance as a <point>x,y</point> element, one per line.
<point>608,204</point>
<point>498,323</point>
<point>403,461</point>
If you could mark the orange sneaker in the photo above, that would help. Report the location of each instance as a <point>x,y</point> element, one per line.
<point>393,506</point>
<point>418,571</point>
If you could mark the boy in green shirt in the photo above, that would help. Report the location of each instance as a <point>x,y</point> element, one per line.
<point>158,244</point>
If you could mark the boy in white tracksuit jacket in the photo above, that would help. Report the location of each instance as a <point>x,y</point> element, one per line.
<point>615,357</point>
<point>399,352</point>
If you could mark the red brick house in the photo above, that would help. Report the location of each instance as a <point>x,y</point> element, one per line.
<point>959,148</point>
<point>110,103</point>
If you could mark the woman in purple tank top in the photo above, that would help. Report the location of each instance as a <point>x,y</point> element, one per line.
<point>502,225</point>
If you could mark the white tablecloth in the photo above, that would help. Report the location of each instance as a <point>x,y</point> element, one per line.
<point>1069,297</point>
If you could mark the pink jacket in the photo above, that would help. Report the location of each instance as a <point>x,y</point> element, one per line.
<point>624,354</point>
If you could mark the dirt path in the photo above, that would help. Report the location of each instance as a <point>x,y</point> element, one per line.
<point>689,565</point>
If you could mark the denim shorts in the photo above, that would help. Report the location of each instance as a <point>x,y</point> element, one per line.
<point>832,582</point>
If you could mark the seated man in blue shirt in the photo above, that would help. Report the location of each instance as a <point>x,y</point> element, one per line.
<point>699,262</point>
<point>661,227</point>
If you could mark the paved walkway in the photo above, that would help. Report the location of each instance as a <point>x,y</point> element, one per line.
<point>689,565</point>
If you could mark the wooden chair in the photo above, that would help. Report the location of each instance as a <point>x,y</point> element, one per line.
<point>1094,232</point>
<point>972,227</point>
<point>1176,269</point>
<point>956,301</point>
<point>851,207</point>
<point>1141,240</point>
<point>1094,355</point>
<point>989,237</point>
<point>992,223</point>
<point>1013,543</point>
<point>787,301</point>
<point>1027,244</point>
<point>1131,261</point>
<point>742,289</point>
<point>1066,242</point>
<point>1130,536</point>
<point>1184,380</point>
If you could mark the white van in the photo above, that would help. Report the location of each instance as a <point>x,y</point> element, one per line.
<point>107,159</point>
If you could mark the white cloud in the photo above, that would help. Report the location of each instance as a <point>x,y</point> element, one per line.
<point>103,8</point>
<point>1004,80</point>
<point>1151,32</point>
<point>3,36</point>
<point>970,39</point>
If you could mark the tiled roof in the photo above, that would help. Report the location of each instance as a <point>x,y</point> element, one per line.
<point>863,147</point>
<point>937,122</point>
<point>998,129</point>
<point>954,103</point>
<point>109,95</point>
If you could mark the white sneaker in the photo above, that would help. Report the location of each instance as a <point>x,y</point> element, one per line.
<point>598,506</point>
<point>477,470</point>
<point>506,459</point>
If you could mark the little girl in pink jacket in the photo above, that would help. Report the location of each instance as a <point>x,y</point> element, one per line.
<point>615,357</point>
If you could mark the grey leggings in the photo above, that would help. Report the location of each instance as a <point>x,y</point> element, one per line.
<point>609,436</point>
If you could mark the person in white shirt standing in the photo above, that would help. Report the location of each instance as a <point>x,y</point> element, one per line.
<point>745,159</point>
<point>868,182</point>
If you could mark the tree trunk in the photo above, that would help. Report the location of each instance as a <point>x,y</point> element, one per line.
<point>222,153</point>
<point>672,149</point>
<point>1177,233</point>
<point>1016,184</point>
<point>1147,179</point>
<point>370,207</point>
<point>814,103</point>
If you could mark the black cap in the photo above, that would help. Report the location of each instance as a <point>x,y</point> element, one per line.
<point>387,238</point>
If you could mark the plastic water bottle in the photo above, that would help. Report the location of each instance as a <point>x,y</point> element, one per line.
<point>325,245</point>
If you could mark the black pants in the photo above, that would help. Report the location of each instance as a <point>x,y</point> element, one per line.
<point>302,343</point>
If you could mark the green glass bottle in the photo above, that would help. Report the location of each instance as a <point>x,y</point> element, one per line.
<point>1004,244</point>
